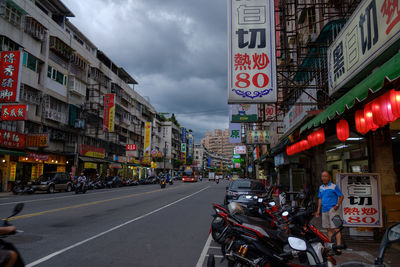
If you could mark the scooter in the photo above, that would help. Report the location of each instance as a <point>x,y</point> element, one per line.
<point>162,183</point>
<point>8,245</point>
<point>80,188</point>
<point>217,180</point>
<point>19,188</point>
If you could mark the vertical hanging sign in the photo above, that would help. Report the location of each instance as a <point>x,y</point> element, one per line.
<point>252,57</point>
<point>109,112</point>
<point>10,73</point>
<point>147,142</point>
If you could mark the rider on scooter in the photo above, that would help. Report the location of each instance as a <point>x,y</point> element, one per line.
<point>7,257</point>
<point>82,180</point>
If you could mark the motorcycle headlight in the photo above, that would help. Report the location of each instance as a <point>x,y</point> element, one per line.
<point>230,193</point>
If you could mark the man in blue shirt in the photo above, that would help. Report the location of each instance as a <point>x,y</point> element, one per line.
<point>329,199</point>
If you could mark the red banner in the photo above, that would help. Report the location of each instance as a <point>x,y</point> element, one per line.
<point>13,112</point>
<point>10,67</point>
<point>91,151</point>
<point>12,139</point>
<point>109,112</point>
<point>131,147</point>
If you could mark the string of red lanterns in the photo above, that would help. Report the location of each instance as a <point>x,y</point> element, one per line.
<point>314,139</point>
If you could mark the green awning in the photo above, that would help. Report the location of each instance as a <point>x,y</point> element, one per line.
<point>17,7</point>
<point>373,83</point>
<point>12,152</point>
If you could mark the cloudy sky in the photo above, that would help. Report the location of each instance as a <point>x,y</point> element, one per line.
<point>175,49</point>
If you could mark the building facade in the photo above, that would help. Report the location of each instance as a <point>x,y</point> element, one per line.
<point>218,143</point>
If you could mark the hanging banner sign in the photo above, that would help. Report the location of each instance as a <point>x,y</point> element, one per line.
<point>184,135</point>
<point>361,206</point>
<point>234,133</point>
<point>190,146</point>
<point>109,112</point>
<point>371,30</point>
<point>12,139</point>
<point>14,112</point>
<point>240,150</point>
<point>10,73</point>
<point>131,147</point>
<point>243,113</point>
<point>252,55</point>
<point>147,143</point>
<point>257,137</point>
<point>183,148</point>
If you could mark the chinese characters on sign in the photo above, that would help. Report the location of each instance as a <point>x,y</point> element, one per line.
<point>131,147</point>
<point>234,133</point>
<point>147,143</point>
<point>10,67</point>
<point>238,150</point>
<point>361,205</point>
<point>12,139</point>
<point>257,137</point>
<point>243,113</point>
<point>109,112</point>
<point>92,151</point>
<point>252,66</point>
<point>13,112</point>
<point>371,30</point>
<point>36,140</point>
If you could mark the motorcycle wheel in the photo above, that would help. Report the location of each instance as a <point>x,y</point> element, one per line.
<point>217,226</point>
<point>69,188</point>
<point>211,261</point>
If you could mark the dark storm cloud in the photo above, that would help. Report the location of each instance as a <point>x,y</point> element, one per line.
<point>175,49</point>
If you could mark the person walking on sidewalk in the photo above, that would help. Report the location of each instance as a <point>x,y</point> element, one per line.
<point>329,199</point>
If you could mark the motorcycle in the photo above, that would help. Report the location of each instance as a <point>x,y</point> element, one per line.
<point>80,188</point>
<point>217,180</point>
<point>163,183</point>
<point>171,182</point>
<point>19,188</point>
<point>4,245</point>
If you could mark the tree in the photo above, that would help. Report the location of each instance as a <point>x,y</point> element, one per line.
<point>174,120</point>
<point>176,163</point>
<point>189,161</point>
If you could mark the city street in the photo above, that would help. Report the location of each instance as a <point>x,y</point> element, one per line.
<point>129,226</point>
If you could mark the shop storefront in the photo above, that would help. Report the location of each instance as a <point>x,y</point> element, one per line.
<point>92,161</point>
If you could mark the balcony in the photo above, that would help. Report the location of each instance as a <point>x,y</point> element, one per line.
<point>35,29</point>
<point>55,115</point>
<point>60,48</point>
<point>76,86</point>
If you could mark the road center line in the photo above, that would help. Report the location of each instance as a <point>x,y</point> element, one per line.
<point>52,255</point>
<point>83,205</point>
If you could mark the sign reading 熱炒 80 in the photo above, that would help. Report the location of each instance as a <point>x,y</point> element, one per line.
<point>252,58</point>
<point>372,29</point>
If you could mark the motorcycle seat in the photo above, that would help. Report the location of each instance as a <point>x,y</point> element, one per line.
<point>263,227</point>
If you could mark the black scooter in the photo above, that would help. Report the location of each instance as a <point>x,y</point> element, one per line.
<point>4,245</point>
<point>20,188</point>
<point>80,188</point>
<point>163,182</point>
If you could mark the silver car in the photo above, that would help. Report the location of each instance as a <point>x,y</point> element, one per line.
<point>53,181</point>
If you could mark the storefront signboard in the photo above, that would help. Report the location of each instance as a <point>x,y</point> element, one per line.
<point>257,137</point>
<point>273,136</point>
<point>61,168</point>
<point>14,112</point>
<point>252,55</point>
<point>91,151</point>
<point>190,146</point>
<point>299,112</point>
<point>234,133</point>
<point>183,148</point>
<point>90,165</point>
<point>184,135</point>
<point>12,139</point>
<point>37,140</point>
<point>243,113</point>
<point>147,143</point>
<point>109,112</point>
<point>361,206</point>
<point>371,30</point>
<point>10,73</point>
<point>13,170</point>
<point>240,150</point>
<point>131,147</point>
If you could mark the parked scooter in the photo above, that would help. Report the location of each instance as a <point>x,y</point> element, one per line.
<point>4,245</point>
<point>20,188</point>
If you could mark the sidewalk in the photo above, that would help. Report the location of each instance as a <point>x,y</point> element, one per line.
<point>362,249</point>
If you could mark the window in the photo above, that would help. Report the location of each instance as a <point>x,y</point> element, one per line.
<point>30,61</point>
<point>56,75</point>
<point>13,15</point>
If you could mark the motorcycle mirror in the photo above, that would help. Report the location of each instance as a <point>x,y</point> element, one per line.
<point>337,221</point>
<point>18,208</point>
<point>272,203</point>
<point>285,213</point>
<point>394,233</point>
<point>297,243</point>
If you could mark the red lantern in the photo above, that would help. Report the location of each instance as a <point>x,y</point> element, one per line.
<point>342,130</point>
<point>395,102</point>
<point>320,136</point>
<point>369,117</point>
<point>361,124</point>
<point>310,139</point>
<point>382,110</point>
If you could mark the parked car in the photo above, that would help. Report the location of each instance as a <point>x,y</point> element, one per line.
<point>53,181</point>
<point>245,191</point>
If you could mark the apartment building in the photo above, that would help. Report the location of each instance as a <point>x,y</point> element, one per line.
<point>219,142</point>
<point>64,79</point>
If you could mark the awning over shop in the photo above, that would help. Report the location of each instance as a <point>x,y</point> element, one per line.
<point>12,152</point>
<point>373,83</point>
<point>89,159</point>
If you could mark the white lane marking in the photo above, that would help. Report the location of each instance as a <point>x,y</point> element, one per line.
<point>215,247</point>
<point>109,230</point>
<point>204,252</point>
<point>216,256</point>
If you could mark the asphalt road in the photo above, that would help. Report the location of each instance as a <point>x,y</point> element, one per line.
<point>129,226</point>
